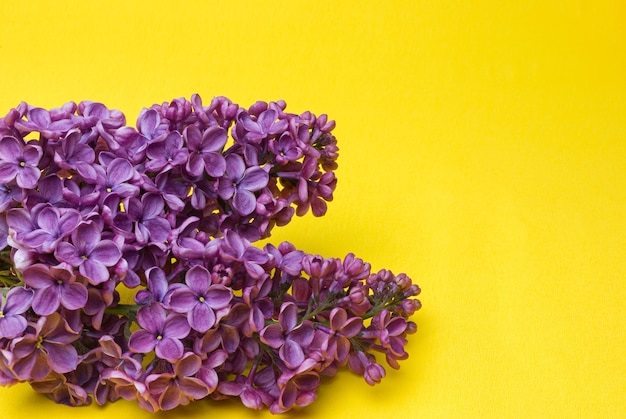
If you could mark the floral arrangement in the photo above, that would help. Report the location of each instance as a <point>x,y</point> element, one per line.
<point>91,207</point>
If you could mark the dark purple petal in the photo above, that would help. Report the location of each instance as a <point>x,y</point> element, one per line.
<point>151,318</point>
<point>187,366</point>
<point>7,171</point>
<point>201,317</point>
<point>152,205</point>
<point>66,252</point>
<point>46,301</point>
<point>169,349</point>
<point>176,326</point>
<point>292,354</point>
<point>288,316</point>
<point>148,122</point>
<point>195,164</point>
<point>27,177</point>
<point>198,278</point>
<point>120,171</point>
<point>273,336</point>
<point>94,271</point>
<point>32,154</point>
<point>158,228</point>
<point>10,148</point>
<point>214,164</point>
<point>182,300</point>
<point>194,388</point>
<point>62,358</point>
<point>142,341</point>
<point>214,139</point>
<point>218,296</point>
<point>235,166</point>
<point>106,252</point>
<point>18,300</point>
<point>244,201</point>
<point>12,326</point>
<point>38,276</point>
<point>73,296</point>
<point>254,179</point>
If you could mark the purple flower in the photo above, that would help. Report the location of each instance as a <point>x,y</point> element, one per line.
<point>89,253</point>
<point>200,298</point>
<point>53,226</point>
<point>114,176</point>
<point>48,349</point>
<point>181,386</point>
<point>234,247</point>
<point>159,332</point>
<point>17,302</point>
<point>205,150</point>
<point>289,335</point>
<point>54,286</point>
<point>72,155</point>
<point>19,161</point>
<point>10,195</point>
<point>265,125</point>
<point>341,330</point>
<point>148,218</point>
<point>40,120</point>
<point>166,154</point>
<point>285,149</point>
<point>157,289</point>
<point>239,184</point>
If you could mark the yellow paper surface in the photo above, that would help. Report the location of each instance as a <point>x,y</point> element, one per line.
<point>482,152</point>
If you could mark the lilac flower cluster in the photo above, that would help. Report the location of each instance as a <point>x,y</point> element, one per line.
<point>89,206</point>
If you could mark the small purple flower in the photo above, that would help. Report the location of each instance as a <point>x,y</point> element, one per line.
<point>48,349</point>
<point>181,386</point>
<point>10,195</point>
<point>54,286</point>
<point>148,218</point>
<point>157,289</point>
<point>73,155</point>
<point>41,120</point>
<point>159,332</point>
<point>342,329</point>
<point>53,226</point>
<point>265,125</point>
<point>114,178</point>
<point>285,149</point>
<point>240,182</point>
<point>17,302</point>
<point>205,150</point>
<point>288,335</point>
<point>19,161</point>
<point>89,253</point>
<point>236,248</point>
<point>166,154</point>
<point>200,298</point>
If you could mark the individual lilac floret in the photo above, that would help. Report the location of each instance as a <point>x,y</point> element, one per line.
<point>16,303</point>
<point>205,151</point>
<point>159,332</point>
<point>91,255</point>
<point>200,299</point>
<point>48,349</point>
<point>19,161</point>
<point>54,286</point>
<point>181,386</point>
<point>289,336</point>
<point>239,184</point>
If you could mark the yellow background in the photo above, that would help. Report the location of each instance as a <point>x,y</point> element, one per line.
<point>483,151</point>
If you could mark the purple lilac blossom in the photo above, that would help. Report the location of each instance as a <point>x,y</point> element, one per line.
<point>170,207</point>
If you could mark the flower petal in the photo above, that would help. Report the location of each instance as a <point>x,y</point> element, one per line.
<point>201,317</point>
<point>142,341</point>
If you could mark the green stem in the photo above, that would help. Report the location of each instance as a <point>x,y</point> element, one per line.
<point>123,309</point>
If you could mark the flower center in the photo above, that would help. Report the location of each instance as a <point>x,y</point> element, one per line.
<point>159,337</point>
<point>201,299</point>
<point>22,163</point>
